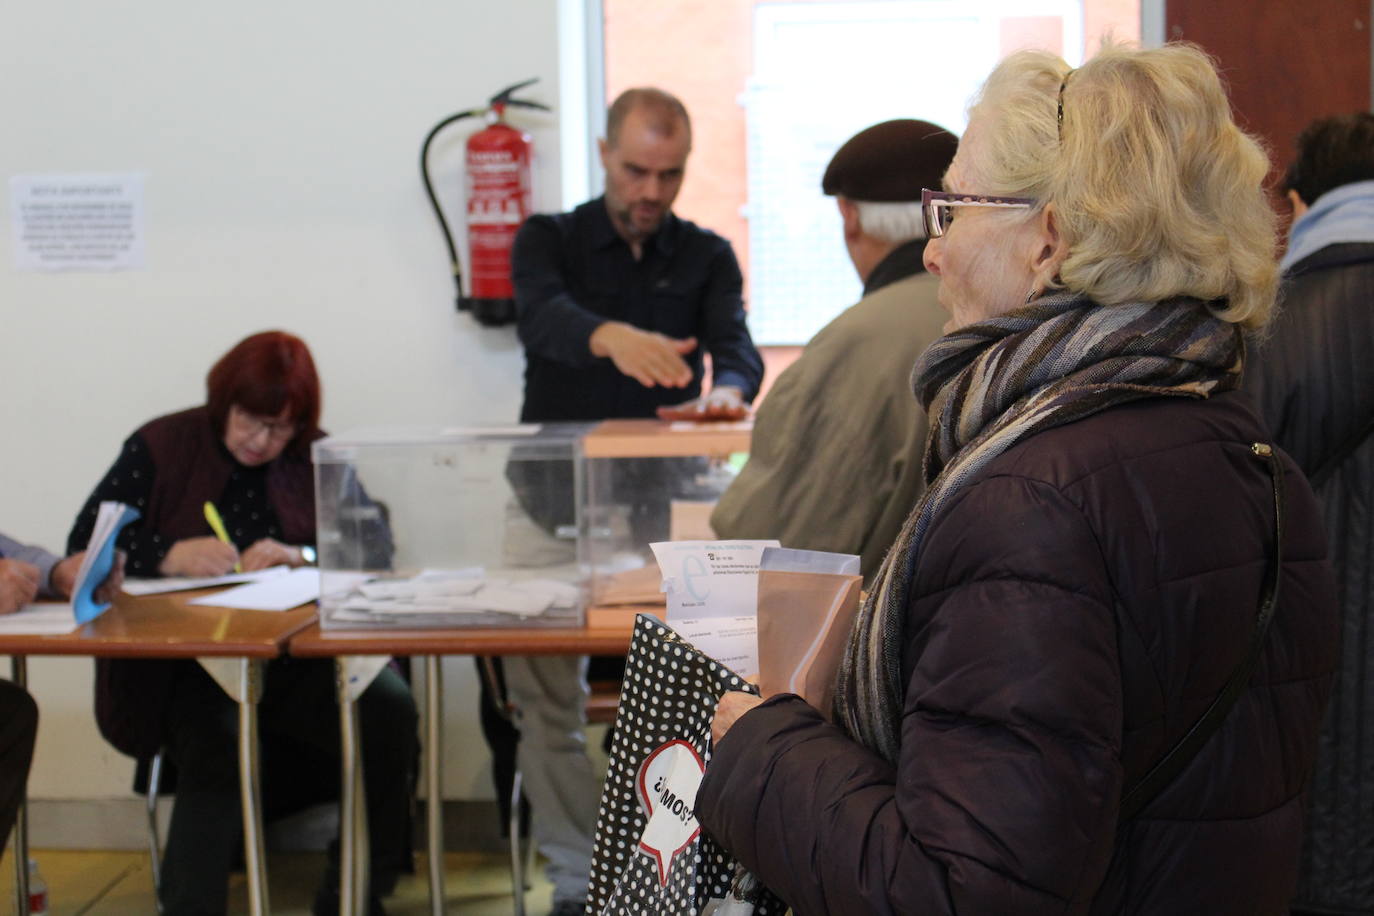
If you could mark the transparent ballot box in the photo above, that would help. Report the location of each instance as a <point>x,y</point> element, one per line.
<point>457,527</point>
<point>647,481</point>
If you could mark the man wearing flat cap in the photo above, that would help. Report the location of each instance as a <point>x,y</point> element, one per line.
<point>837,445</point>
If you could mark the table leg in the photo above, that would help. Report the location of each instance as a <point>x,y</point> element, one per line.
<point>434,778</point>
<point>353,806</point>
<point>241,678</point>
<point>353,675</point>
<point>20,675</point>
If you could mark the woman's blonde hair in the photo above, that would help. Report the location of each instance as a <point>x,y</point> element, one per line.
<point>1156,190</point>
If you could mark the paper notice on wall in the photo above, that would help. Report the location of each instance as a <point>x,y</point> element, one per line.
<point>90,222</point>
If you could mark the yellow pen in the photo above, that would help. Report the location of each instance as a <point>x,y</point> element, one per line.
<point>217,526</point>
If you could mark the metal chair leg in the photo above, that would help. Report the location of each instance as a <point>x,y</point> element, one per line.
<point>530,849</point>
<point>19,669</point>
<point>154,839</point>
<point>517,860</point>
<point>519,870</point>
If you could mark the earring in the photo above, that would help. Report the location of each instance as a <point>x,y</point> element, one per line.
<point>1031,296</point>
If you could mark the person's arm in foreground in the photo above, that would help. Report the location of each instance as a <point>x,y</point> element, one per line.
<point>28,572</point>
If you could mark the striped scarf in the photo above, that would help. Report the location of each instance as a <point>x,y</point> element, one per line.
<point>988,386</point>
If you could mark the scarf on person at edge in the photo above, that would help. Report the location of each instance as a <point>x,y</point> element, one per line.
<point>986,387</point>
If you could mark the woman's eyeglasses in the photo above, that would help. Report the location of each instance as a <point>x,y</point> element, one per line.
<point>938,207</point>
<point>254,425</point>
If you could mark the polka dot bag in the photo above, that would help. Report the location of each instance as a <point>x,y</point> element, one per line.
<point>650,856</point>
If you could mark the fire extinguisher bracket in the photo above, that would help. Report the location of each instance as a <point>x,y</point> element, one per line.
<point>490,312</point>
<point>498,199</point>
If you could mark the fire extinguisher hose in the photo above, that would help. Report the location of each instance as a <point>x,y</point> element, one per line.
<point>497,103</point>
<point>456,266</point>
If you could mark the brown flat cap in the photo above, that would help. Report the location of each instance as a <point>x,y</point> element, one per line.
<point>891,161</point>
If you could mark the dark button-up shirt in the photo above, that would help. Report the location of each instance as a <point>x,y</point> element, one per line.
<point>573,272</point>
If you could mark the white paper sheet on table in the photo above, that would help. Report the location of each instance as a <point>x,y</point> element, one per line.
<point>278,593</point>
<point>186,584</point>
<point>44,618</point>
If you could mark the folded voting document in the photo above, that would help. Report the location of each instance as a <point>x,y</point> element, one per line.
<point>99,559</point>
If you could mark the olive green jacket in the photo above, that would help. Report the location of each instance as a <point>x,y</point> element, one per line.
<point>835,462</point>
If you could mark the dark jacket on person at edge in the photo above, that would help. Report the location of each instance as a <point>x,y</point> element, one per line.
<point>1313,377</point>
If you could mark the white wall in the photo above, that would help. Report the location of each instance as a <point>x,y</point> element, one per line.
<point>280,142</point>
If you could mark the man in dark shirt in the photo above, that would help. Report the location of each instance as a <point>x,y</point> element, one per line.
<point>619,299</point>
<point>618,302</point>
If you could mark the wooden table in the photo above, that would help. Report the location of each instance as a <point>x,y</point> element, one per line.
<point>657,439</point>
<point>230,644</point>
<point>360,654</point>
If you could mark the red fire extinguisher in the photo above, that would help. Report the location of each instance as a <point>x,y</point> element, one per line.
<point>497,165</point>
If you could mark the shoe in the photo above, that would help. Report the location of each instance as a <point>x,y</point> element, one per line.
<point>569,908</point>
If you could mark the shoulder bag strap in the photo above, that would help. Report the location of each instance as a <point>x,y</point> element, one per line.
<point>1172,763</point>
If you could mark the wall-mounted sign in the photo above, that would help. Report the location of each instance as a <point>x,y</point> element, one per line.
<point>77,222</point>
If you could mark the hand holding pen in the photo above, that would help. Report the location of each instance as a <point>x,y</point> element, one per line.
<point>217,526</point>
<point>261,554</point>
<point>199,558</point>
<point>203,556</point>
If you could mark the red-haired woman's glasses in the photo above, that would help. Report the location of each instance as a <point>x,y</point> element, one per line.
<point>253,425</point>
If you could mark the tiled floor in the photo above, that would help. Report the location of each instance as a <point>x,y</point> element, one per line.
<point>119,884</point>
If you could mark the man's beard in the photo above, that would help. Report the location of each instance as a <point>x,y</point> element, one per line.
<point>635,230</point>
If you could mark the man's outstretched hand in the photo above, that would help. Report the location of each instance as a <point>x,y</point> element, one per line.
<point>650,358</point>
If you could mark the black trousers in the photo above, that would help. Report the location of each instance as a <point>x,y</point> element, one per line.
<point>18,728</point>
<point>298,731</point>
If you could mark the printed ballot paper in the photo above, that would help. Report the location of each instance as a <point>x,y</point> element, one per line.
<point>712,597</point>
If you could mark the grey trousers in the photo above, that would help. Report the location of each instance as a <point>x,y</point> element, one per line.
<point>550,695</point>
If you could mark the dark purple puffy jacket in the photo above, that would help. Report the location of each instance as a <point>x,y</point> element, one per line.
<point>1074,610</point>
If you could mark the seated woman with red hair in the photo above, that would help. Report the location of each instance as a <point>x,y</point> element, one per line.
<point>247,451</point>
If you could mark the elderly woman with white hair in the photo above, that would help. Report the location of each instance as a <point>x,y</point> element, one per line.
<point>1090,674</point>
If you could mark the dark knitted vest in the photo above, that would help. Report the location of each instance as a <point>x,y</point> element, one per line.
<point>192,466</point>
